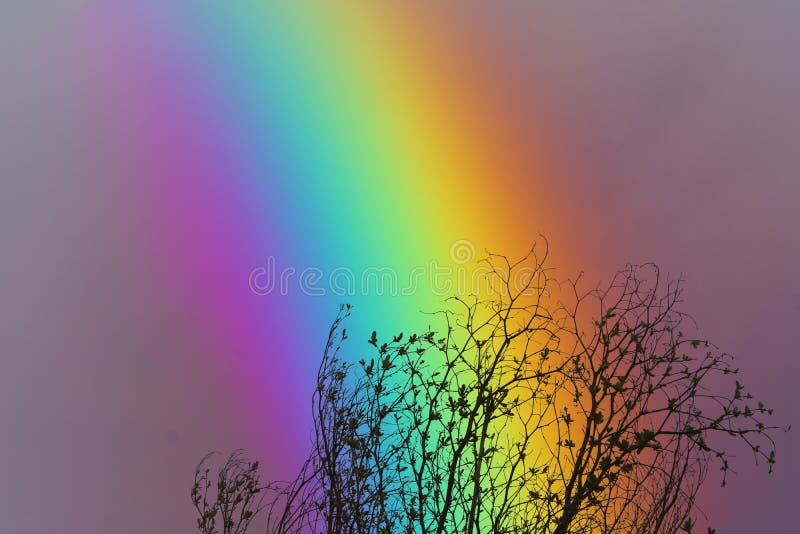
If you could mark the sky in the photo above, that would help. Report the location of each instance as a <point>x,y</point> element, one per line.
<point>154,155</point>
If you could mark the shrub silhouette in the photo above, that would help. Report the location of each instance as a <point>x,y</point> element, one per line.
<point>540,408</point>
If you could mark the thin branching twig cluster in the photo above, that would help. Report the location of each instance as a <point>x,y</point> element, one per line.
<point>539,408</point>
<point>228,502</point>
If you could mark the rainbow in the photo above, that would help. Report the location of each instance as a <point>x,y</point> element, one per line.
<point>318,135</point>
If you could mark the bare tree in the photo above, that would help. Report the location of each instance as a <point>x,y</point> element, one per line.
<point>646,412</point>
<point>536,408</point>
<point>228,502</point>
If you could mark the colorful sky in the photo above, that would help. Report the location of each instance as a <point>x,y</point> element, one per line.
<point>155,153</point>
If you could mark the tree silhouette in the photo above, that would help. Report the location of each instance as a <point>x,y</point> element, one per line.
<point>538,408</point>
<point>232,501</point>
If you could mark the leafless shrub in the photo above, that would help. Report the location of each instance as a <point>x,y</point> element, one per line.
<point>540,409</point>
